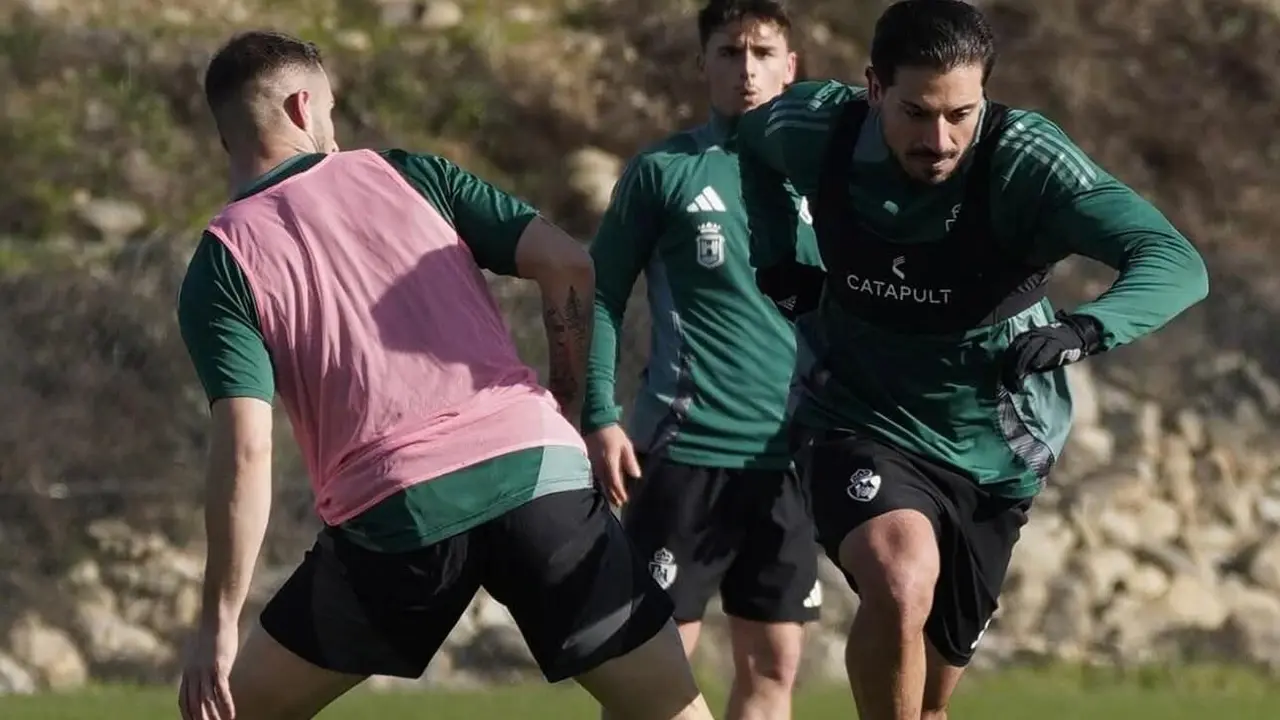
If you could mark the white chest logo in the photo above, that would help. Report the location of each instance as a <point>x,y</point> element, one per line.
<point>710,246</point>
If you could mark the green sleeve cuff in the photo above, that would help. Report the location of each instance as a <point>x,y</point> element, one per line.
<point>594,419</point>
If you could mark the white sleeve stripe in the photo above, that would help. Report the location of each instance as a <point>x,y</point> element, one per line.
<point>1055,152</point>
<point>1053,158</point>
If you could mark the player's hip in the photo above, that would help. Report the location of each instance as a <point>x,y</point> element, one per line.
<point>1009,441</point>
<point>691,431</point>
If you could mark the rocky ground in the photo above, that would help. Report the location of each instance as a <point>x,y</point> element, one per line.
<point>1158,541</point>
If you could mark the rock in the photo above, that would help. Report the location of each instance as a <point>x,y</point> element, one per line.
<point>1089,448</point>
<point>1130,629</point>
<point>1191,601</point>
<point>1212,545</point>
<point>1178,469</point>
<point>1086,410</point>
<point>117,541</point>
<point>498,653</point>
<point>1150,429</point>
<point>85,574</point>
<point>112,219</point>
<point>1191,428</point>
<point>526,14</point>
<point>1252,628</point>
<point>1268,510</point>
<point>398,13</point>
<point>14,679</point>
<point>1146,582</point>
<point>1105,571</point>
<point>48,653</point>
<point>1264,569</point>
<point>1022,605</point>
<point>1169,559</point>
<point>592,174</point>
<point>441,15</point>
<point>355,40</point>
<point>111,641</point>
<point>488,612</point>
<point>1154,522</point>
<point>1068,621</point>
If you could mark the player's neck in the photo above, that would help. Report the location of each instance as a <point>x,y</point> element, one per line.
<point>248,167</point>
<point>722,126</point>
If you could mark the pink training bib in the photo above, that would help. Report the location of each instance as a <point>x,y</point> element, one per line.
<point>391,356</point>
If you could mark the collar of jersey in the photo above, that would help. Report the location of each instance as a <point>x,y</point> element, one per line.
<point>278,173</point>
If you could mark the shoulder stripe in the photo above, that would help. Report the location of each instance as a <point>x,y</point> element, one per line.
<point>791,114</point>
<point>815,126</point>
<point>1051,150</point>
<point>799,118</point>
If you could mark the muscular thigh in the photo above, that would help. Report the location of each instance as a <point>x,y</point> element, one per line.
<point>853,480</point>
<point>856,479</point>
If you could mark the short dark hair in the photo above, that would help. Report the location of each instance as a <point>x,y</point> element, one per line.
<point>719,13</point>
<point>936,34</point>
<point>250,56</point>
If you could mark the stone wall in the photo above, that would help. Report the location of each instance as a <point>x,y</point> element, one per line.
<point>1156,542</point>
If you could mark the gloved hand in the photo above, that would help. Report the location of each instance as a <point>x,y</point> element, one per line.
<point>794,288</point>
<point>1070,339</point>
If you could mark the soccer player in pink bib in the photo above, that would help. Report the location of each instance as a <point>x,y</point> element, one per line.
<point>349,285</point>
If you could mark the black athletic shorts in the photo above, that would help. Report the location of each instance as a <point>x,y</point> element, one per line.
<point>747,533</point>
<point>853,479</point>
<point>561,565</point>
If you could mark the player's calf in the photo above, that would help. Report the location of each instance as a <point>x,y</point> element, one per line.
<point>939,686</point>
<point>766,659</point>
<point>893,559</point>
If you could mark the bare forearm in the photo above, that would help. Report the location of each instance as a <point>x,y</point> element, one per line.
<point>567,315</point>
<point>237,507</point>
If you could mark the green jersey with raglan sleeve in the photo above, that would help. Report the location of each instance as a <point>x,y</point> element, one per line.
<point>721,358</point>
<point>1048,200</point>
<point>218,322</point>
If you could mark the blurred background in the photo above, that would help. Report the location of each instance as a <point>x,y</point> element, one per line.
<point>1159,541</point>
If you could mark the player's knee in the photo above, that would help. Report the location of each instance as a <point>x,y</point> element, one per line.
<point>894,559</point>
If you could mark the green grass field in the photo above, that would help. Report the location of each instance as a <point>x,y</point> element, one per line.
<point>1170,694</point>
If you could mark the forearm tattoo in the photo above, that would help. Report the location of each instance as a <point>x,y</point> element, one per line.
<point>568,336</point>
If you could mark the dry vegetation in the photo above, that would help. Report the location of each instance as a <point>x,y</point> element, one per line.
<point>111,168</point>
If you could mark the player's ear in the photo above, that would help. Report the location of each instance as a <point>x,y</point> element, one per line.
<point>874,90</point>
<point>298,107</point>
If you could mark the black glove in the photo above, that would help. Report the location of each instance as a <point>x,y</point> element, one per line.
<point>794,288</point>
<point>1070,339</point>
